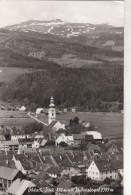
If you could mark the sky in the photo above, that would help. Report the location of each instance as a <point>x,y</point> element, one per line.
<point>95,12</point>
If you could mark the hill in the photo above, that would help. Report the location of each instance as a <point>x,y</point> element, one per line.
<point>70,87</point>
<point>78,69</point>
<point>96,45</point>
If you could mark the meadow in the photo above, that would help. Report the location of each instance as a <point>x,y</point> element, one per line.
<point>14,118</point>
<point>109,124</point>
<point>8,74</point>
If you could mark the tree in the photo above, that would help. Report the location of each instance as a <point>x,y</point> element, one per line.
<point>91,127</point>
<point>33,127</point>
<point>63,144</point>
<point>7,136</point>
<point>76,120</point>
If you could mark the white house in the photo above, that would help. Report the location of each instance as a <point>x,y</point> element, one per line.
<point>39,110</point>
<point>56,125</point>
<point>96,135</point>
<point>100,170</point>
<point>28,143</point>
<point>23,108</point>
<point>67,139</point>
<point>9,145</point>
<point>20,186</point>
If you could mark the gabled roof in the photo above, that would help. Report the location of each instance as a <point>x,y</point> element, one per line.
<point>52,124</point>
<point>63,160</point>
<point>8,173</point>
<point>46,160</point>
<point>54,170</point>
<point>89,137</point>
<point>65,184</point>
<point>26,162</point>
<point>108,165</point>
<point>42,175</point>
<point>40,183</point>
<point>61,131</point>
<point>19,186</point>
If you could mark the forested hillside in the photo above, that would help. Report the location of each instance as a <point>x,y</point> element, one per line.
<point>70,87</point>
<point>81,70</point>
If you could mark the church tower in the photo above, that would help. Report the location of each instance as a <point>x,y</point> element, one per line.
<point>51,111</point>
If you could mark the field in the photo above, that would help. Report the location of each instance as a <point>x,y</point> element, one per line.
<point>8,74</point>
<point>109,124</point>
<point>75,63</point>
<point>19,118</point>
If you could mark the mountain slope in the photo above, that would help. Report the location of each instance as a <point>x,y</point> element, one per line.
<point>71,52</point>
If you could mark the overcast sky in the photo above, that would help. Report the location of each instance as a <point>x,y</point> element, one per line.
<point>96,12</point>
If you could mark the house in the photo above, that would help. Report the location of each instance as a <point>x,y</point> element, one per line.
<point>56,125</point>
<point>6,159</point>
<point>7,176</point>
<point>23,163</point>
<point>63,138</point>
<point>39,110</point>
<point>9,145</point>
<point>85,124</point>
<point>89,138</point>
<point>21,187</point>
<point>66,187</point>
<point>43,142</point>
<point>73,110</point>
<point>17,134</point>
<point>38,135</point>
<point>27,151</point>
<point>54,172</point>
<point>79,139</point>
<point>65,110</point>
<point>63,160</point>
<point>44,182</point>
<point>28,143</point>
<point>61,132</point>
<point>113,149</point>
<point>23,108</point>
<point>96,135</point>
<point>99,170</point>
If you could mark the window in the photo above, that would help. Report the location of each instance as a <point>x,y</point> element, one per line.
<point>52,114</point>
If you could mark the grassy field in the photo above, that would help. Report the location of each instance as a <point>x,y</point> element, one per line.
<point>19,118</point>
<point>75,63</point>
<point>109,124</point>
<point>8,74</point>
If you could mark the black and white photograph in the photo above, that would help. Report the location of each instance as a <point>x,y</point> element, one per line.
<point>61,97</point>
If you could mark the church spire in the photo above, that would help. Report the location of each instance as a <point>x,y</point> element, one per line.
<point>51,111</point>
